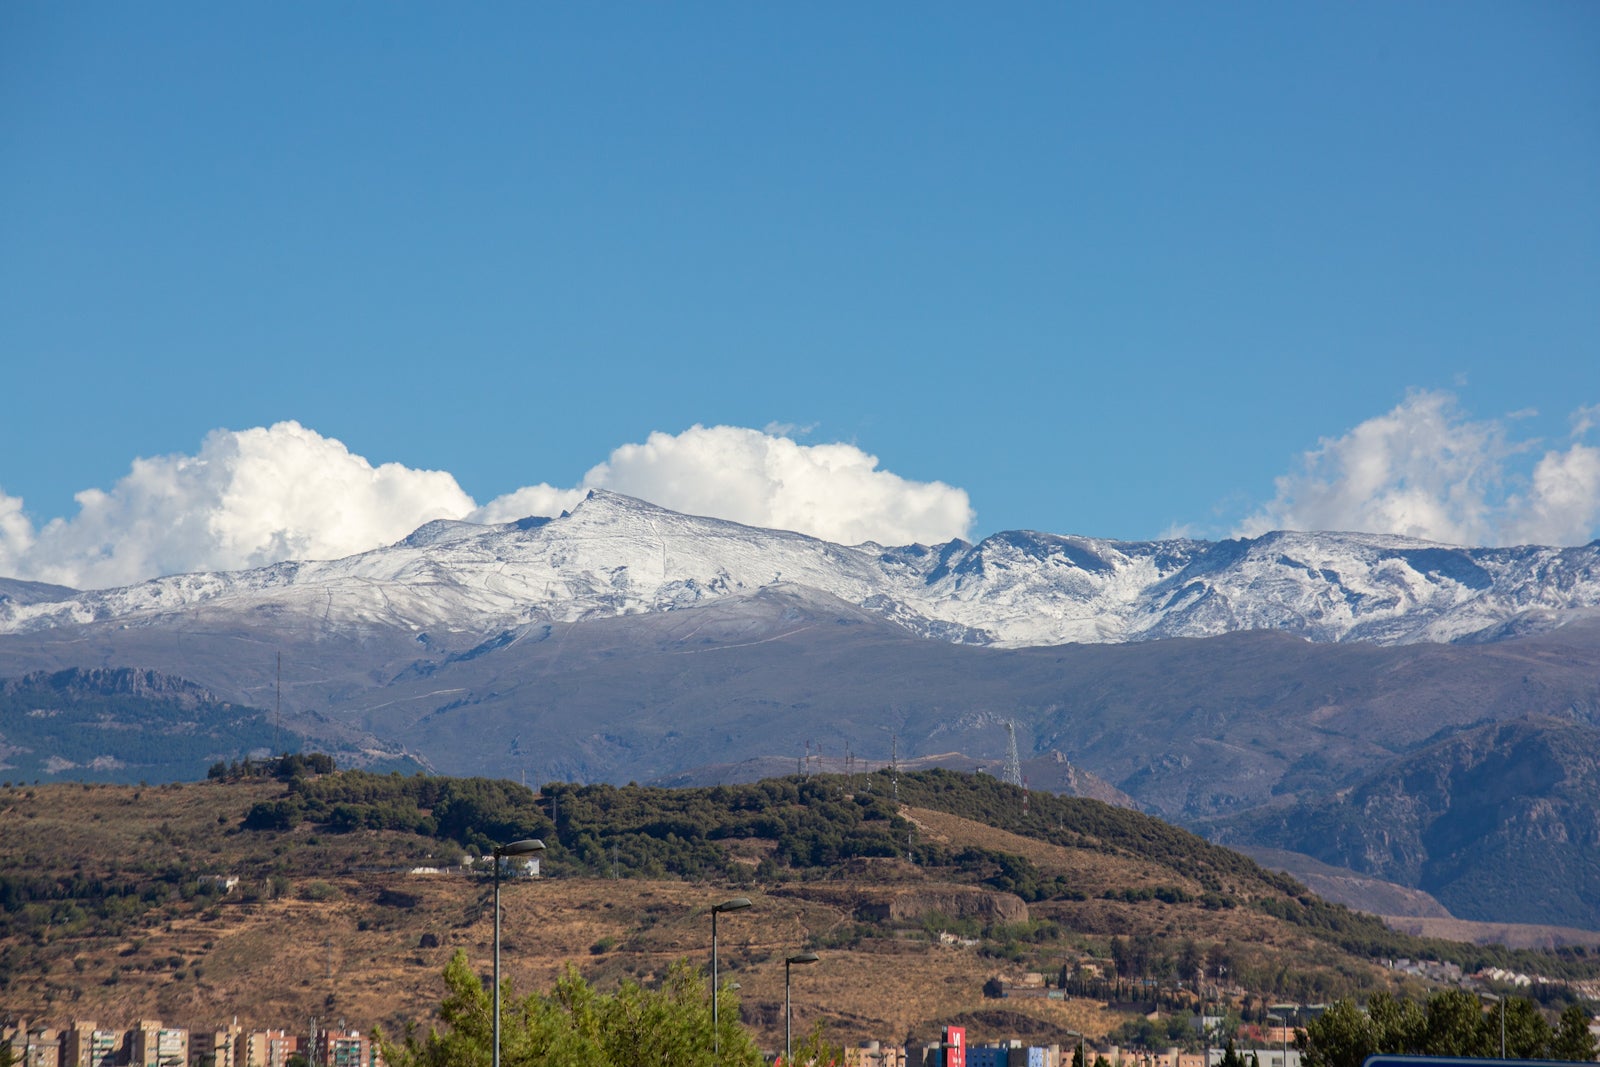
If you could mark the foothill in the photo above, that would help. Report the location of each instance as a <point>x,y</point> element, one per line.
<point>286,913</point>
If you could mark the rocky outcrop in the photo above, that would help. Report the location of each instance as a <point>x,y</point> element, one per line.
<point>955,902</point>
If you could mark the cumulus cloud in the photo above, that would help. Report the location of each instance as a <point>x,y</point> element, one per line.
<point>257,496</point>
<point>1427,470</point>
<point>247,498</point>
<point>538,499</point>
<point>832,491</point>
<point>1563,503</point>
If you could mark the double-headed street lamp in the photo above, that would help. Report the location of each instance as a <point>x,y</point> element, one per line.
<point>525,847</point>
<point>736,904</point>
<point>788,1015</point>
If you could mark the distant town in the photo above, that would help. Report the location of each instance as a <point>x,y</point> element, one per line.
<point>149,1043</point>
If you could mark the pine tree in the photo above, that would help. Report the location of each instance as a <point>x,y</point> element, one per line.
<point>1572,1040</point>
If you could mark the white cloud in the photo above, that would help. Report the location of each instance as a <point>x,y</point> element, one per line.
<point>538,499</point>
<point>832,491</point>
<point>262,495</point>
<point>16,535</point>
<point>1563,504</point>
<point>1426,470</point>
<point>248,498</point>
<point>1585,419</point>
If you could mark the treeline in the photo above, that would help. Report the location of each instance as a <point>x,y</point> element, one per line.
<point>1451,1022</point>
<point>284,767</point>
<point>621,831</point>
<point>631,831</point>
<point>476,813</point>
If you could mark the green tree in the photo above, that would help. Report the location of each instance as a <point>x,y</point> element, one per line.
<point>1399,1025</point>
<point>1572,1040</point>
<point>816,1049</point>
<point>1342,1036</point>
<point>1527,1034</point>
<point>1190,960</point>
<point>574,1026</point>
<point>1455,1026</point>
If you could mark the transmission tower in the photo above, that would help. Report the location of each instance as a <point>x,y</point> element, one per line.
<point>1013,771</point>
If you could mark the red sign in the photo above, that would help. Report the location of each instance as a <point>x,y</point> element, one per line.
<point>955,1046</point>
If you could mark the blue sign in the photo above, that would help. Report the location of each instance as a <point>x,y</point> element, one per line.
<point>1383,1060</point>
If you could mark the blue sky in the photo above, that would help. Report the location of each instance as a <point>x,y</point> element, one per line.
<point>1109,269</point>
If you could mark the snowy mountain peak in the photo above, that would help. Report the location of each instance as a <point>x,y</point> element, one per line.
<point>616,555</point>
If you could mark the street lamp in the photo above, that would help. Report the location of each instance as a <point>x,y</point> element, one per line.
<point>526,847</point>
<point>736,904</point>
<point>788,1016</point>
<point>1083,1056</point>
<point>1283,1022</point>
<point>1495,999</point>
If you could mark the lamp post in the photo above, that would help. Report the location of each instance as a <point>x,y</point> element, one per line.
<point>1083,1056</point>
<point>788,1015</point>
<point>526,847</point>
<point>736,904</point>
<point>1282,1022</point>
<point>1499,1002</point>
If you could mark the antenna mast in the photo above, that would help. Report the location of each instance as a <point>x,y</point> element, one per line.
<point>1013,771</point>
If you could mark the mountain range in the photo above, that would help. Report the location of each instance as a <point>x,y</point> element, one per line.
<point>1252,688</point>
<point>613,555</point>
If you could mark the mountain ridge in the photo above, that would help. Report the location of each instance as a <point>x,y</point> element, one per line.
<point>625,642</point>
<point>614,555</point>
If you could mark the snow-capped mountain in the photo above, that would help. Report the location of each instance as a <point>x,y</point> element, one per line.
<point>613,555</point>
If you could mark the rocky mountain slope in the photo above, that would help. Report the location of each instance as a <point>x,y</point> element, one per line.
<point>1471,819</point>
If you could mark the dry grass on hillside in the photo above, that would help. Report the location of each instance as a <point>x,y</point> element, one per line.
<point>352,937</point>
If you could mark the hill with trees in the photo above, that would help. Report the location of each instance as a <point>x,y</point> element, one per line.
<point>355,889</point>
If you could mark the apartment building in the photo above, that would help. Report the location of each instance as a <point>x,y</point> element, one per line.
<point>32,1046</point>
<point>152,1045</point>
<point>85,1044</point>
<point>217,1048</point>
<point>269,1048</point>
<point>346,1048</point>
